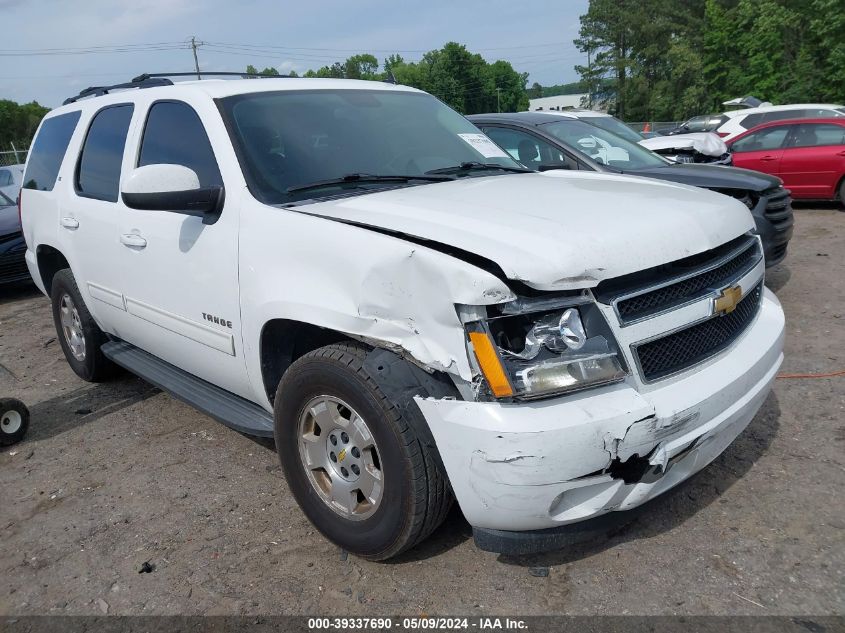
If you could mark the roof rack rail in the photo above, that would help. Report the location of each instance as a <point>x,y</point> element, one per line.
<point>96,91</point>
<point>154,80</point>
<point>225,73</point>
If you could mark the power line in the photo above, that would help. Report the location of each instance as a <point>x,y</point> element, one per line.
<point>128,48</point>
<point>375,50</point>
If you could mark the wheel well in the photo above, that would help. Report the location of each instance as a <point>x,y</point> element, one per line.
<point>50,261</point>
<point>283,341</point>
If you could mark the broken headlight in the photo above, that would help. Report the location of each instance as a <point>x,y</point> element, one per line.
<point>546,353</point>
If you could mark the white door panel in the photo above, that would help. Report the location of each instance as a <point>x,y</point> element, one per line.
<point>180,276</point>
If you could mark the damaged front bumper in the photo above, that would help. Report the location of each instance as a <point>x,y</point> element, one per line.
<point>537,465</point>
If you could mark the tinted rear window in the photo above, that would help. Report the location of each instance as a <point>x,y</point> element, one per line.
<point>98,175</point>
<point>48,151</point>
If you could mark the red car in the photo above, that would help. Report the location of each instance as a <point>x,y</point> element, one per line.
<point>807,154</point>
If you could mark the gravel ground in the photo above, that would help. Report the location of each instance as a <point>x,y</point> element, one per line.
<point>113,475</point>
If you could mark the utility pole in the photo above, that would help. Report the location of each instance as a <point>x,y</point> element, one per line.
<point>498,100</point>
<point>196,61</point>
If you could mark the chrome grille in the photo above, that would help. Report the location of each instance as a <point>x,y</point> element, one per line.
<point>651,292</point>
<point>682,349</point>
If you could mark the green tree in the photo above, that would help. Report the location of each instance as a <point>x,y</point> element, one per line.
<point>464,80</point>
<point>18,123</point>
<point>271,72</point>
<point>362,66</point>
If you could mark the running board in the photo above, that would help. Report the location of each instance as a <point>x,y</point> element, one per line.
<point>233,411</point>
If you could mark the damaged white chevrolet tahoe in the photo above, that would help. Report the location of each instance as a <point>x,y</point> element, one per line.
<point>354,269</point>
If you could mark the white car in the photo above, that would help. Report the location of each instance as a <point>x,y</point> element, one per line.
<point>11,177</point>
<point>354,269</point>
<point>739,121</point>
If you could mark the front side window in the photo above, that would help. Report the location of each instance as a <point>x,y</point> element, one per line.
<point>98,174</point>
<point>175,135</point>
<point>602,146</point>
<point>696,124</point>
<point>288,140</point>
<point>48,151</point>
<point>818,134</point>
<point>764,140</point>
<point>615,126</point>
<point>526,148</point>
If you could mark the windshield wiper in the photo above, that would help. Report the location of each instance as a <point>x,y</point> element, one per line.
<point>367,178</point>
<point>476,166</point>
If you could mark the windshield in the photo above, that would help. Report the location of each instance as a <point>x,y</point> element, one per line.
<point>614,125</point>
<point>290,141</point>
<point>602,146</point>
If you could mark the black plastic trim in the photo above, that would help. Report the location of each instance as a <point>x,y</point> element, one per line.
<point>537,541</point>
<point>235,412</point>
<point>401,381</point>
<point>206,202</point>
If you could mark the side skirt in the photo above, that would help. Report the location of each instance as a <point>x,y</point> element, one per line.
<point>233,411</point>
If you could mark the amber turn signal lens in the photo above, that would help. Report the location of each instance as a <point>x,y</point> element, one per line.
<point>490,364</point>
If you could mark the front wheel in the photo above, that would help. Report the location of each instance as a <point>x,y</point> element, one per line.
<point>14,421</point>
<point>352,461</point>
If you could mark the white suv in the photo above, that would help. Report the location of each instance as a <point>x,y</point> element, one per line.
<point>354,269</point>
<point>739,121</point>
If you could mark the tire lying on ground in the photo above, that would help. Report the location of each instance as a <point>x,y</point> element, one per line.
<point>14,421</point>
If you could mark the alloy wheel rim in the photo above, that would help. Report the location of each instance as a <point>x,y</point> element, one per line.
<point>340,457</point>
<point>72,327</point>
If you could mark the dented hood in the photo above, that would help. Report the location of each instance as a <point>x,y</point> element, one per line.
<point>554,230</point>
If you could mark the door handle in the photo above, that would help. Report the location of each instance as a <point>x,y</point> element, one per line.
<point>768,158</point>
<point>133,240</point>
<point>842,153</point>
<point>70,223</point>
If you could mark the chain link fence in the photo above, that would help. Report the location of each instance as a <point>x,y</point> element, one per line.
<point>14,157</point>
<point>653,126</point>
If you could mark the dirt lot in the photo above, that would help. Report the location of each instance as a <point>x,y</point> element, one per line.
<point>114,475</point>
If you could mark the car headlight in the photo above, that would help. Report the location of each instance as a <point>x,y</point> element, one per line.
<point>545,353</point>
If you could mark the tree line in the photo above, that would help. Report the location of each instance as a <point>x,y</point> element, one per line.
<point>462,79</point>
<point>18,123</point>
<point>670,59</point>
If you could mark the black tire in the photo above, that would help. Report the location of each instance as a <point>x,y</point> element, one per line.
<point>416,495</point>
<point>842,193</point>
<point>14,421</point>
<point>93,366</point>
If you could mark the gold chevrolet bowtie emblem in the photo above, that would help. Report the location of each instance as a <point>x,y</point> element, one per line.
<point>726,302</point>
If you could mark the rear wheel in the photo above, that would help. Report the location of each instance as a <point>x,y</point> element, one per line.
<point>352,461</point>
<point>79,335</point>
<point>14,421</point>
<point>842,192</point>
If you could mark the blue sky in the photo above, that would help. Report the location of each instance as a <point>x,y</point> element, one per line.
<point>536,37</point>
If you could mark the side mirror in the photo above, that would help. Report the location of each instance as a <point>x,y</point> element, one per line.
<point>552,166</point>
<point>173,188</point>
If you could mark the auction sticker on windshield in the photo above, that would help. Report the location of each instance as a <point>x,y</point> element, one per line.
<point>484,146</point>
